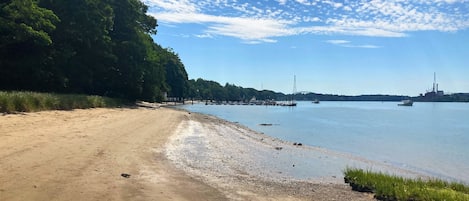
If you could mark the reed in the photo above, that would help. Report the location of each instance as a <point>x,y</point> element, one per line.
<point>395,188</point>
<point>25,101</point>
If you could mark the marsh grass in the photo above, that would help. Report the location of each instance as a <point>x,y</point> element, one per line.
<point>395,188</point>
<point>15,101</point>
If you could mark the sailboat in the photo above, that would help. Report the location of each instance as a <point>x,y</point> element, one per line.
<point>292,101</point>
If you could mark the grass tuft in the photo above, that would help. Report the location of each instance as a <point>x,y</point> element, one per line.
<point>24,101</point>
<point>395,188</point>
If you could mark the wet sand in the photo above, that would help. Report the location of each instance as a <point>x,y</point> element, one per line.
<point>82,154</point>
<point>247,165</point>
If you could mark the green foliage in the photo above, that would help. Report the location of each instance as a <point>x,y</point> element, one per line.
<point>100,47</point>
<point>25,41</point>
<point>175,73</point>
<point>32,102</point>
<point>386,187</point>
<point>24,21</point>
<point>81,50</point>
<point>210,90</point>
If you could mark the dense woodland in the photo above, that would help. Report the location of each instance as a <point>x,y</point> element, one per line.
<point>100,47</point>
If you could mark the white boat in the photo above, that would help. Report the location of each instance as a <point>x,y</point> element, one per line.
<point>406,103</point>
<point>316,101</point>
<point>288,104</point>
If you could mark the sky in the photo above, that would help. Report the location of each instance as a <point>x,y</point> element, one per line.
<point>330,46</point>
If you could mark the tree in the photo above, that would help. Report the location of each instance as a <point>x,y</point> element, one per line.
<point>233,92</point>
<point>23,21</point>
<point>24,44</point>
<point>154,74</point>
<point>176,75</point>
<point>101,47</point>
<point>129,37</point>
<point>82,47</point>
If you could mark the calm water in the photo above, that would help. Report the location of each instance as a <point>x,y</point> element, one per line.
<point>431,138</point>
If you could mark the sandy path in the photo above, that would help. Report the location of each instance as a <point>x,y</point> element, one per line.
<point>81,154</point>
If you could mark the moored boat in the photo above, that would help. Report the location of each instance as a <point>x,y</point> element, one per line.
<point>406,103</point>
<point>291,102</point>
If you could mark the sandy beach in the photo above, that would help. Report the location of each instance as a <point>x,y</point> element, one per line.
<point>142,154</point>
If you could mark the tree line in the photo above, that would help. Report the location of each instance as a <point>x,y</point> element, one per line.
<point>99,47</point>
<point>201,89</point>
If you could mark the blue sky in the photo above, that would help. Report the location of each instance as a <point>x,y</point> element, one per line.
<point>338,47</point>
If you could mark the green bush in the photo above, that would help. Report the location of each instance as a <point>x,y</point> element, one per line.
<point>16,101</point>
<point>395,188</point>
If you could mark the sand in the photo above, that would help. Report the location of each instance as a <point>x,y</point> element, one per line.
<point>82,154</point>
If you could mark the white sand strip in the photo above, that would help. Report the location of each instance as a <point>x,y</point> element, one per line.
<point>227,155</point>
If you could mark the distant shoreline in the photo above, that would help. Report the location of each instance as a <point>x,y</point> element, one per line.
<point>456,97</point>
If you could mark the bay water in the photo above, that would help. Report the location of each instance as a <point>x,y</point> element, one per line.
<point>429,138</point>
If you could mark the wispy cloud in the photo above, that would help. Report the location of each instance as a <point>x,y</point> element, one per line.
<point>248,29</point>
<point>205,35</point>
<point>363,46</point>
<point>337,42</point>
<point>258,22</point>
<point>349,44</point>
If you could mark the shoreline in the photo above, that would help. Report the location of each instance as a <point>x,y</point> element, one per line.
<point>63,155</point>
<point>233,130</point>
<point>234,159</point>
<point>359,148</point>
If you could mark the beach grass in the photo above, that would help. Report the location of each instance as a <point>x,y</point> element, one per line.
<point>395,188</point>
<point>26,101</point>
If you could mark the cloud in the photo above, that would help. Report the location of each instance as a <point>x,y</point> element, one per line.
<point>346,43</point>
<point>282,2</point>
<point>304,2</point>
<point>248,29</point>
<point>336,42</point>
<point>261,21</point>
<point>205,35</point>
<point>363,46</point>
<point>184,6</point>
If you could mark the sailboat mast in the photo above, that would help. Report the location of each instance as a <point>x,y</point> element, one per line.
<point>291,102</point>
<point>294,84</point>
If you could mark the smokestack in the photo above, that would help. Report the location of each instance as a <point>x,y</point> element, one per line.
<point>434,81</point>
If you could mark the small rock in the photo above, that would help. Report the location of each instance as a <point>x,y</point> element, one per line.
<point>279,148</point>
<point>125,175</point>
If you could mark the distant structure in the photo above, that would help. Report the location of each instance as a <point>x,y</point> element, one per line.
<point>434,92</point>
